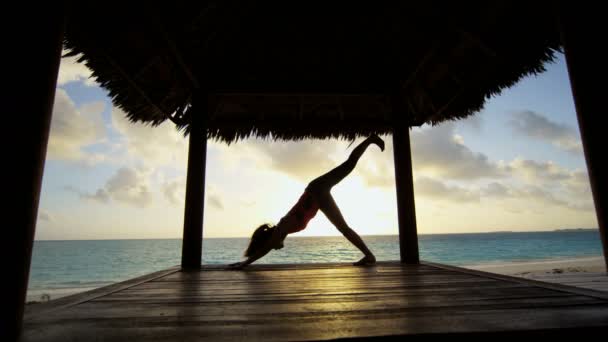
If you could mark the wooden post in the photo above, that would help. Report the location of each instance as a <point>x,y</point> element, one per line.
<point>192,244</point>
<point>31,75</point>
<point>404,182</point>
<point>582,29</point>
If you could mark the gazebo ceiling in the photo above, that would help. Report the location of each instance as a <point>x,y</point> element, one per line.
<point>301,69</point>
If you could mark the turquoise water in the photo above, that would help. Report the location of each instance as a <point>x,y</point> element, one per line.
<point>63,267</point>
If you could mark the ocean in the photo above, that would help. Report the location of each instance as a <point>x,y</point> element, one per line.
<point>60,268</point>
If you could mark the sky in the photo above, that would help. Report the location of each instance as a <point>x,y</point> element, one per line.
<point>517,165</point>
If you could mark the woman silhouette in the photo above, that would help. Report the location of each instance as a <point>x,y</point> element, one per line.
<point>316,197</point>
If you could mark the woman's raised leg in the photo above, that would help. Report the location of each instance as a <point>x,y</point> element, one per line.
<point>333,177</point>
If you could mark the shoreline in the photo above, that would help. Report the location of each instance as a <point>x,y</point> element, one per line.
<point>533,268</point>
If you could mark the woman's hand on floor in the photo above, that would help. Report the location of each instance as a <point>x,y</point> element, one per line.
<point>237,265</point>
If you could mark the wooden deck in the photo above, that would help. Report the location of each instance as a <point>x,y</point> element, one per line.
<point>317,302</point>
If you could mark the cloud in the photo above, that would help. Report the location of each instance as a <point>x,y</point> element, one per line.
<point>440,152</point>
<point>161,145</point>
<point>174,191</point>
<point>127,185</point>
<point>302,160</point>
<point>578,183</point>
<point>539,172</point>
<point>537,194</point>
<point>437,152</point>
<point>553,184</point>
<point>497,190</point>
<point>74,128</point>
<point>437,190</point>
<point>44,215</point>
<point>536,126</point>
<point>377,171</point>
<point>216,201</point>
<point>474,122</point>
<point>101,195</point>
<point>72,71</point>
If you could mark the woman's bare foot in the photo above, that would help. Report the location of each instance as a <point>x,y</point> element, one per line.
<point>367,260</point>
<point>375,139</point>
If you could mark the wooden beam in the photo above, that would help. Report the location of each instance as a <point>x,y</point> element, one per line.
<point>148,65</point>
<point>174,118</point>
<point>445,106</point>
<point>431,51</point>
<point>288,122</point>
<point>180,60</point>
<point>132,83</point>
<point>458,93</point>
<point>303,95</point>
<point>482,45</point>
<point>581,29</point>
<point>192,243</point>
<point>404,183</point>
<point>32,74</point>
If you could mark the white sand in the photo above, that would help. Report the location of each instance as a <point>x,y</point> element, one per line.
<point>545,267</point>
<point>39,295</point>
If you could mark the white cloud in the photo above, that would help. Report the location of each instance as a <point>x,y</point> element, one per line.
<point>45,215</point>
<point>174,191</point>
<point>127,185</point>
<point>378,171</point>
<point>215,201</point>
<point>74,128</point>
<point>158,146</point>
<point>72,71</point>
<point>440,152</point>
<point>534,194</point>
<point>474,122</point>
<point>437,152</point>
<point>302,160</point>
<point>578,183</point>
<point>536,126</point>
<point>437,190</point>
<point>539,172</point>
<point>497,190</point>
<point>101,195</point>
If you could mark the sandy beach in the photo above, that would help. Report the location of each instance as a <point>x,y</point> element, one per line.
<point>588,273</point>
<point>545,267</point>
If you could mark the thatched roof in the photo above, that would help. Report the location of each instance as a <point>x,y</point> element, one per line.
<point>300,69</point>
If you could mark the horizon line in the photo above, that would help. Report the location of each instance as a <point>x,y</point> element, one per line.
<point>318,236</point>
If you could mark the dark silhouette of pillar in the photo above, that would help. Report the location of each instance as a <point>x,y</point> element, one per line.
<point>31,63</point>
<point>404,183</point>
<point>192,244</point>
<point>582,30</point>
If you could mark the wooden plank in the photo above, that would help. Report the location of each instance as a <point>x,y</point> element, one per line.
<point>64,302</point>
<point>286,287</point>
<point>497,291</point>
<point>354,324</point>
<point>260,278</point>
<point>227,310</point>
